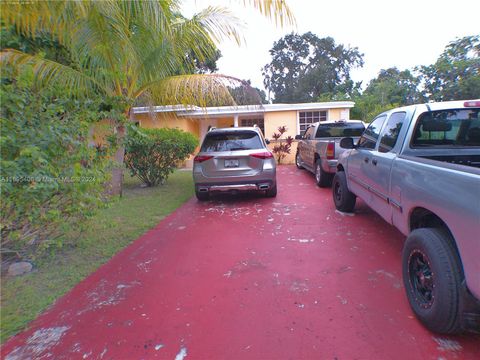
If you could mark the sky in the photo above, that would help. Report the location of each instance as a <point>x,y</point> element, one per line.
<point>403,33</point>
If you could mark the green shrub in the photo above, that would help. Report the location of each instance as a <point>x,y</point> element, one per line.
<point>153,154</point>
<point>50,177</point>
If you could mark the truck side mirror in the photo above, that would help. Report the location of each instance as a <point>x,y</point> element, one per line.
<point>298,137</point>
<point>267,141</point>
<point>347,143</point>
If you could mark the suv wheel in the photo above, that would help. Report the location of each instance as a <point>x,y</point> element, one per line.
<point>343,198</point>
<point>322,178</point>
<point>432,275</point>
<point>202,196</point>
<point>298,161</point>
<point>272,192</point>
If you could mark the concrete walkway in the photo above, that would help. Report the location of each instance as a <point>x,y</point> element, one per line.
<point>247,278</point>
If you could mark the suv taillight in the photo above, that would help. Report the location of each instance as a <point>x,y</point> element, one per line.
<point>331,150</point>
<point>201,158</point>
<point>263,155</point>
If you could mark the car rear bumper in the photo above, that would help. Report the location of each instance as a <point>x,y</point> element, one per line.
<point>258,185</point>
<point>330,166</point>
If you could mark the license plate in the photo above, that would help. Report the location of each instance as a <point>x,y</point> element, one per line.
<point>231,163</point>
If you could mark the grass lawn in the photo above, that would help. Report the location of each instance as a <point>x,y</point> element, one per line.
<point>113,228</point>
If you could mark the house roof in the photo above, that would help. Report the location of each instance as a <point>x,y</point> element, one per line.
<point>195,111</point>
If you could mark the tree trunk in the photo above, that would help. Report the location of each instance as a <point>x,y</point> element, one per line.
<point>116,183</point>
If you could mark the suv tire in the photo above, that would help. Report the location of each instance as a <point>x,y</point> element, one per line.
<point>343,198</point>
<point>432,275</point>
<point>272,192</point>
<point>202,196</point>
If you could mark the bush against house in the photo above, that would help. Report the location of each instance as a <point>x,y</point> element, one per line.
<point>51,178</point>
<point>153,154</point>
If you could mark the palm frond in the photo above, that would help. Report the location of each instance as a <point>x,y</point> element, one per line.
<point>218,22</point>
<point>48,71</point>
<point>278,10</point>
<point>200,90</point>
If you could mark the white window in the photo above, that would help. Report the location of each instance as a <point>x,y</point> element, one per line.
<point>254,121</point>
<point>305,118</point>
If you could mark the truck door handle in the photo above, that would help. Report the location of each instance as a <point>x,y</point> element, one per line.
<point>366,160</point>
<point>374,162</point>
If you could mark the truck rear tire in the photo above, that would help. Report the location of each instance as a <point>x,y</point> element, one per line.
<point>343,198</point>
<point>322,178</point>
<point>297,161</point>
<point>432,275</point>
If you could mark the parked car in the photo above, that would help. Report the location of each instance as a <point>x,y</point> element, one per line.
<point>234,160</point>
<point>318,148</point>
<point>419,168</point>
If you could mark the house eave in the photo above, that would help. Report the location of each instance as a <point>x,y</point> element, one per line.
<point>195,111</point>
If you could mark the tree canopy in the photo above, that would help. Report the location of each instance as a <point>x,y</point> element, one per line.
<point>456,73</point>
<point>304,67</point>
<point>129,49</point>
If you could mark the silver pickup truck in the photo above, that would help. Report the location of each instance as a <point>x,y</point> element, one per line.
<point>419,168</point>
<point>319,147</point>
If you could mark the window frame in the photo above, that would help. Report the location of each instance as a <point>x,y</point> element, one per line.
<point>384,118</point>
<point>385,128</point>
<point>253,119</point>
<point>321,117</point>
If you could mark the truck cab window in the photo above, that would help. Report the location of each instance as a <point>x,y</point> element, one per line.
<point>371,134</point>
<point>309,133</point>
<point>391,131</point>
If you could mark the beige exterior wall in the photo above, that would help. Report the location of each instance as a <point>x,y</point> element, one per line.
<point>150,121</point>
<point>334,114</point>
<point>225,122</point>
<point>273,120</point>
<point>290,158</point>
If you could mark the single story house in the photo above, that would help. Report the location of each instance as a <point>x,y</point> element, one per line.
<point>296,117</point>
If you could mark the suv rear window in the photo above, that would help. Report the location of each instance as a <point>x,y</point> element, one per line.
<point>231,141</point>
<point>340,130</point>
<point>448,128</point>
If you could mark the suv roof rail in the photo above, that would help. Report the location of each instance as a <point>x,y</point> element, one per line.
<point>212,128</point>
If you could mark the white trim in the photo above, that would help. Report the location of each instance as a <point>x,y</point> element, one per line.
<point>195,111</point>
<point>298,123</point>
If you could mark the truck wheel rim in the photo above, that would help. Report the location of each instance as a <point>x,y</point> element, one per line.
<point>421,279</point>
<point>337,191</point>
<point>317,173</point>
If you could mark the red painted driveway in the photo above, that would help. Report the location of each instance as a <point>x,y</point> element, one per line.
<point>247,278</point>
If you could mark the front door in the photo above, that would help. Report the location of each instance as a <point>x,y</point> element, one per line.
<point>379,169</point>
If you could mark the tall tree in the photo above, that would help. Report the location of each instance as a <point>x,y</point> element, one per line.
<point>393,86</point>
<point>456,73</point>
<point>124,50</point>
<point>303,67</point>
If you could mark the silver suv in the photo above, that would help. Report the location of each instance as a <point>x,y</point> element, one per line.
<point>233,160</point>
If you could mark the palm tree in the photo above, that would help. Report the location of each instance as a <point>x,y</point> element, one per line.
<point>131,49</point>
